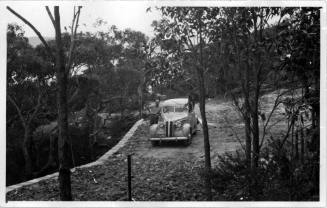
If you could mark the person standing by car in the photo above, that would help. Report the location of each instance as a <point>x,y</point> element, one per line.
<point>155,112</point>
<point>190,103</point>
<point>157,101</point>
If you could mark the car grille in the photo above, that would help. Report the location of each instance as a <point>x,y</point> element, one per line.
<point>169,127</point>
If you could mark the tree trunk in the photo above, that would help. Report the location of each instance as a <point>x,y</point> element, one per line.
<point>255,124</point>
<point>292,142</point>
<point>121,107</point>
<point>248,141</point>
<point>255,121</point>
<point>26,153</point>
<point>256,147</point>
<point>296,144</point>
<point>51,158</point>
<point>63,144</point>
<point>247,119</point>
<point>140,92</point>
<point>202,94</point>
<point>205,139</point>
<point>90,128</point>
<point>302,145</point>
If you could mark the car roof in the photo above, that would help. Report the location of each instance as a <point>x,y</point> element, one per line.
<point>175,102</point>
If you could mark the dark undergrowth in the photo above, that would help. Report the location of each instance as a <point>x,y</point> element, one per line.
<point>80,150</point>
<point>280,176</point>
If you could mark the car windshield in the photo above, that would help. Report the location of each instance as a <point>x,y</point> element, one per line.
<point>172,109</point>
<point>180,109</point>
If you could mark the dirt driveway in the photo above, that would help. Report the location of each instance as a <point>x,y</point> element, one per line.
<point>222,139</point>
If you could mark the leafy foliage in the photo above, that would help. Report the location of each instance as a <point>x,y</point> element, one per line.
<point>278,178</point>
<point>104,77</point>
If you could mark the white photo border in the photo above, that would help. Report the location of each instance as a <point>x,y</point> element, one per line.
<point>213,3</point>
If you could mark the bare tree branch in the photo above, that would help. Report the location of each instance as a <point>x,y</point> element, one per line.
<point>72,37</point>
<point>50,15</point>
<point>18,110</point>
<point>276,104</point>
<point>33,28</point>
<point>234,132</point>
<point>37,107</point>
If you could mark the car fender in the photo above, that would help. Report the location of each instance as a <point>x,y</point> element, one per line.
<point>186,129</point>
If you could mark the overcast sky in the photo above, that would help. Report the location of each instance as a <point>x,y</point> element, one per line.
<point>123,14</point>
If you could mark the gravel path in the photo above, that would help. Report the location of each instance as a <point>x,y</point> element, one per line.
<point>222,139</point>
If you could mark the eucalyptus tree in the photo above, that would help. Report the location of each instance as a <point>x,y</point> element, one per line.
<point>246,39</point>
<point>27,83</point>
<point>190,29</point>
<point>62,66</point>
<point>299,50</point>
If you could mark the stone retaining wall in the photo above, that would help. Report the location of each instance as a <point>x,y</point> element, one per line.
<point>99,161</point>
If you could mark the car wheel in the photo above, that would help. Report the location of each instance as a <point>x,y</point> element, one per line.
<point>194,133</point>
<point>154,143</point>
<point>188,142</point>
<point>189,138</point>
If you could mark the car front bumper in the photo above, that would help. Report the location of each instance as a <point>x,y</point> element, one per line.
<point>168,138</point>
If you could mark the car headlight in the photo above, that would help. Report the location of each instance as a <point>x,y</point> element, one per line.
<point>161,125</point>
<point>180,123</point>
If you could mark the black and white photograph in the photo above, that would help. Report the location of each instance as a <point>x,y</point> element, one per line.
<point>181,103</point>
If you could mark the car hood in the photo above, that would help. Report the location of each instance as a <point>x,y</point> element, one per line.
<point>174,116</point>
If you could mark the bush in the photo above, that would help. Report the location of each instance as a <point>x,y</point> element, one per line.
<point>277,178</point>
<point>119,126</point>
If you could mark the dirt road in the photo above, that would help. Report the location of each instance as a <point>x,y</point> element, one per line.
<point>222,139</point>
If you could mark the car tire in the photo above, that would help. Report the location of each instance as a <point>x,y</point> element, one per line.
<point>195,129</point>
<point>189,139</point>
<point>154,143</point>
<point>188,142</point>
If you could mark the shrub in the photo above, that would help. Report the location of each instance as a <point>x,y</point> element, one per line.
<point>119,126</point>
<point>279,177</point>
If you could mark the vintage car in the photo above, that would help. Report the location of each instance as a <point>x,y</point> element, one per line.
<point>177,122</point>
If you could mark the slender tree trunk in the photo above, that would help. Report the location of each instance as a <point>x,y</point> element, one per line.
<point>140,92</point>
<point>51,158</point>
<point>292,142</point>
<point>316,92</point>
<point>205,137</point>
<point>248,140</point>
<point>121,107</point>
<point>90,128</point>
<point>247,119</point>
<point>296,144</point>
<point>302,145</point>
<point>256,147</point>
<point>255,120</point>
<point>63,143</point>
<point>202,94</point>
<point>205,129</point>
<point>255,125</point>
<point>26,153</point>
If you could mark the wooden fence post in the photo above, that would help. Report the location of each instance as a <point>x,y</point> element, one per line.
<point>129,178</point>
